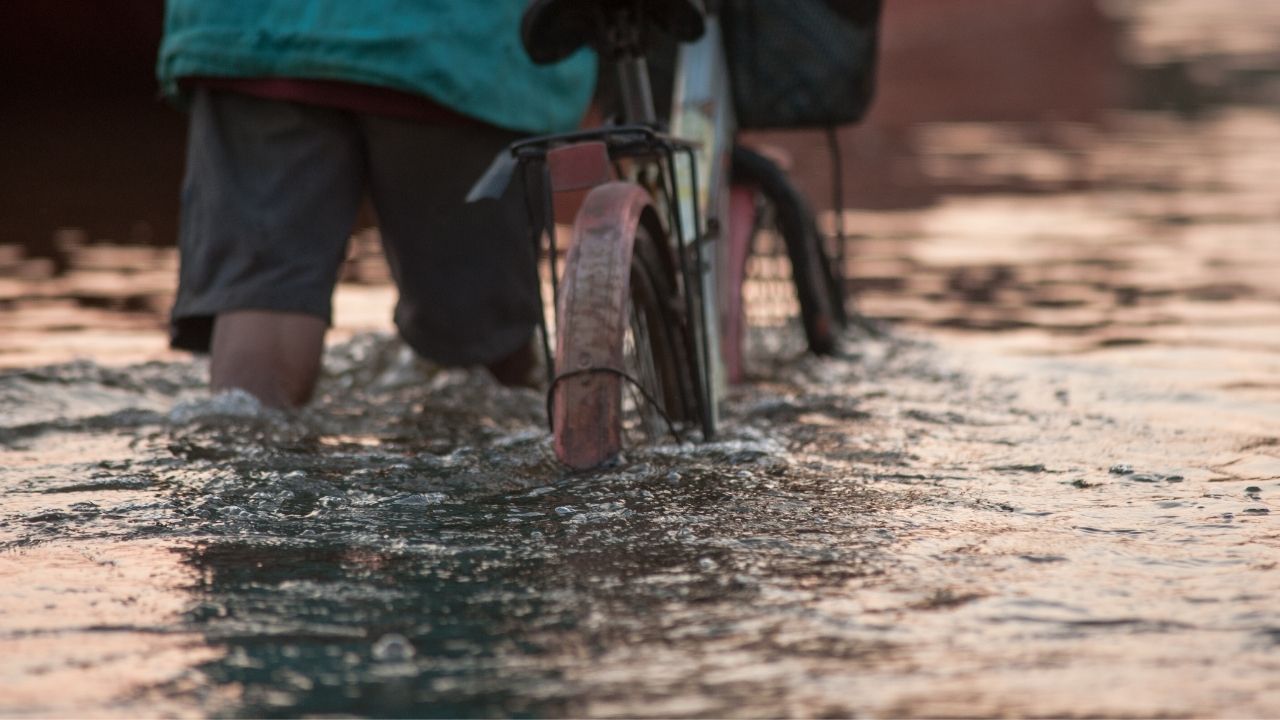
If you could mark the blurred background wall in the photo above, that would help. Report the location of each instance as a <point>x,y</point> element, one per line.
<point>84,140</point>
<point>1051,63</point>
<point>87,143</point>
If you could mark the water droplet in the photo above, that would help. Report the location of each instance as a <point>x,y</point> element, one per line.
<point>421,499</point>
<point>393,648</point>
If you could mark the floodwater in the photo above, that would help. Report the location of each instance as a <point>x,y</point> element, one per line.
<point>1048,489</point>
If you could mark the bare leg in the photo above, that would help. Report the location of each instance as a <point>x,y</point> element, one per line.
<point>274,356</point>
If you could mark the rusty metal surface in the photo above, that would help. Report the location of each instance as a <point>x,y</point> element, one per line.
<point>586,408</point>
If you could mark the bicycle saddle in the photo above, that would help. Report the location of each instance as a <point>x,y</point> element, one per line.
<point>552,30</point>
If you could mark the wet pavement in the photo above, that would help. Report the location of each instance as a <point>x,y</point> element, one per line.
<point>1047,490</point>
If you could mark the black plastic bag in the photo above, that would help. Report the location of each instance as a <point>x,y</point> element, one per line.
<point>801,63</point>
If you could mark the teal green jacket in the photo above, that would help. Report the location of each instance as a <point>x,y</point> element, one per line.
<point>464,54</point>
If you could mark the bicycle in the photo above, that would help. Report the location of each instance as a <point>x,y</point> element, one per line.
<point>656,229</point>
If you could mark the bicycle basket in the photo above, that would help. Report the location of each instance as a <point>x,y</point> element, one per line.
<point>801,63</point>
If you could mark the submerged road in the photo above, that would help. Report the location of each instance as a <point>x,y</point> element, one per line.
<point>910,530</point>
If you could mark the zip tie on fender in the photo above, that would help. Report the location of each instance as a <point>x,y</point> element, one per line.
<point>612,371</point>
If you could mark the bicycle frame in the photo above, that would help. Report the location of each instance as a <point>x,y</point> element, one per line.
<point>686,170</point>
<point>702,113</point>
<point>702,116</point>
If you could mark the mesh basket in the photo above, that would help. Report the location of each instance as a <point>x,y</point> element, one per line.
<point>801,63</point>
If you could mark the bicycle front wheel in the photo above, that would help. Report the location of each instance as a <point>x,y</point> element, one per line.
<point>781,210</point>
<point>625,373</point>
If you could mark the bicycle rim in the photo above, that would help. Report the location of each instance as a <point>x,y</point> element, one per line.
<point>654,351</point>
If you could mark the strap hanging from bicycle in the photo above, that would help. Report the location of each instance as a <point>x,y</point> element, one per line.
<point>649,398</point>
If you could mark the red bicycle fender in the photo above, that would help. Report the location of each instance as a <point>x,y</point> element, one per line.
<point>586,408</point>
<point>733,320</point>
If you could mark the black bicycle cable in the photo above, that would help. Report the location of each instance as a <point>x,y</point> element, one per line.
<point>649,398</point>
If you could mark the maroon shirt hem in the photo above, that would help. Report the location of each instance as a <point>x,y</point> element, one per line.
<point>355,97</point>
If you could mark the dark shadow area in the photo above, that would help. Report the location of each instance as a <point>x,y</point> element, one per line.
<point>87,143</point>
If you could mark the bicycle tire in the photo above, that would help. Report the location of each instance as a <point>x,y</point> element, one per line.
<point>818,294</point>
<point>831,277</point>
<point>618,283</point>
